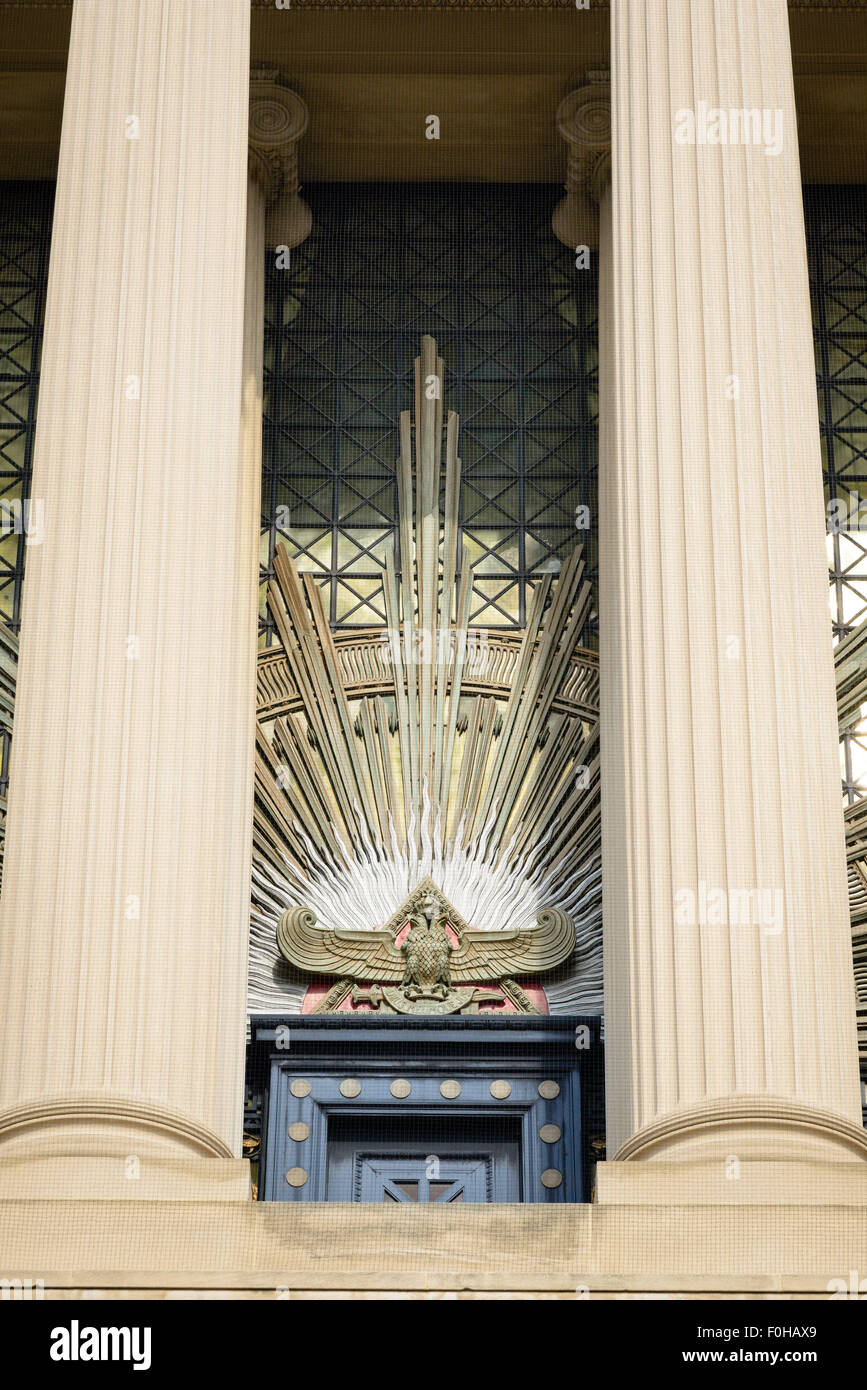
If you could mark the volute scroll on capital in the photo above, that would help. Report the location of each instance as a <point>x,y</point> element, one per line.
<point>584,122</point>
<point>278,120</point>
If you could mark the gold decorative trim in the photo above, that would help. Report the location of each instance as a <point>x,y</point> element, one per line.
<point>552,1177</point>
<point>334,998</point>
<point>366,672</point>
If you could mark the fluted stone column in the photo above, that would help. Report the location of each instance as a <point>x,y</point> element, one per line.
<point>124,914</point>
<point>730,1017</point>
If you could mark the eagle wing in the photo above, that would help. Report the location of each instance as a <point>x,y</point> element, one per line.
<point>495,955</point>
<point>354,955</point>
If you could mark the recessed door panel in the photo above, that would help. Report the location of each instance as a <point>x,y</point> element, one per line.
<point>381,1179</point>
<point>375,1159</point>
<point>344,1101</point>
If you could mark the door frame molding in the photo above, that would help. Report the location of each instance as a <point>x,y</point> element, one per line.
<point>326,1053</point>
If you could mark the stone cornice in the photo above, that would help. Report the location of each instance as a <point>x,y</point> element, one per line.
<point>499,4</point>
<point>434,4</point>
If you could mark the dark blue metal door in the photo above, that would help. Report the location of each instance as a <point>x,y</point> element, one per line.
<point>420,1110</point>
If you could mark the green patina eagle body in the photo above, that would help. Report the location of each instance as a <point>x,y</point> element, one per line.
<point>427,949</point>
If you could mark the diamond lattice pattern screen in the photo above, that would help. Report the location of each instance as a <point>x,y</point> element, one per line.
<point>478,267</point>
<point>25,234</point>
<point>836,219</point>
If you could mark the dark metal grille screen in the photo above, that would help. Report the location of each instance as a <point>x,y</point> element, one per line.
<point>478,267</point>
<point>25,235</point>
<point>25,239</point>
<point>836,220</point>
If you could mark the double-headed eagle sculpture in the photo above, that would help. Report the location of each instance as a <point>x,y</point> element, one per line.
<point>426,959</point>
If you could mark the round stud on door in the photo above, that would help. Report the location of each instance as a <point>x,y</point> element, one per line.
<point>400,1089</point>
<point>549,1134</point>
<point>299,1088</point>
<point>296,1177</point>
<point>350,1088</point>
<point>549,1090</point>
<point>500,1090</point>
<point>450,1090</point>
<point>551,1178</point>
<point>299,1131</point>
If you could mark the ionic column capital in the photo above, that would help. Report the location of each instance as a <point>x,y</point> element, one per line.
<point>278,119</point>
<point>584,122</point>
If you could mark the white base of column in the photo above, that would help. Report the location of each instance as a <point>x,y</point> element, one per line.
<point>126,1179</point>
<point>734,1182</point>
